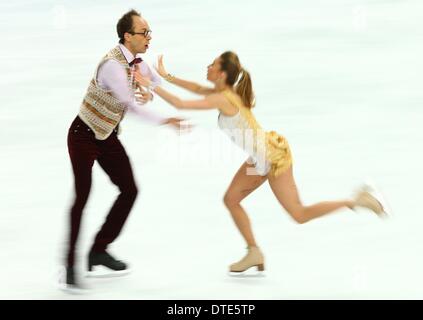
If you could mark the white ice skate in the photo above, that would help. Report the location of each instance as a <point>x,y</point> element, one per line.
<point>252,265</point>
<point>370,197</point>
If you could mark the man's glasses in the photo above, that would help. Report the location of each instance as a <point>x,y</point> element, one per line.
<point>146,33</point>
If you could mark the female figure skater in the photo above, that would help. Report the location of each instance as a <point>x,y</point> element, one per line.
<point>270,156</point>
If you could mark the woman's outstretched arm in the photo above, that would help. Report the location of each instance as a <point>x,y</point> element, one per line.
<point>188,85</point>
<point>211,101</point>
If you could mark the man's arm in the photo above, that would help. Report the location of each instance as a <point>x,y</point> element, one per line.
<point>112,77</point>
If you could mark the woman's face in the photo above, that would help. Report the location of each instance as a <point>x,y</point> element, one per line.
<point>213,71</point>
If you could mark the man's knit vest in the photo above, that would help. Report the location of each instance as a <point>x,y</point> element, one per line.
<point>100,110</point>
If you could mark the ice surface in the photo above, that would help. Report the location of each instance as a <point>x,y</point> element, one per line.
<point>342,80</point>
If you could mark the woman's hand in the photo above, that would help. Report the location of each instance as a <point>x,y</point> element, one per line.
<point>143,96</point>
<point>160,67</point>
<point>141,81</point>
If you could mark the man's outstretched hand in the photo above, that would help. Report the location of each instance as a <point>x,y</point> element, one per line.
<point>177,123</point>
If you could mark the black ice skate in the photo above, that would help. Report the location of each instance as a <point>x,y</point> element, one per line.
<point>108,265</point>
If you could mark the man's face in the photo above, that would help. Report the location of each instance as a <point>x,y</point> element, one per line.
<point>138,42</point>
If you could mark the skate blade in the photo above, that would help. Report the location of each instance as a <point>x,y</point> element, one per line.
<point>377,193</point>
<point>259,274</point>
<point>107,273</point>
<point>249,273</point>
<point>71,289</point>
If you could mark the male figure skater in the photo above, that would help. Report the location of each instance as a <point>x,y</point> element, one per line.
<point>93,136</point>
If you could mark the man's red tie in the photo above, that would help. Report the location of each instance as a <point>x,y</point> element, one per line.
<point>135,61</point>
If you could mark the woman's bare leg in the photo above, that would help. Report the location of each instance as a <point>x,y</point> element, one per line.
<point>241,186</point>
<point>286,192</point>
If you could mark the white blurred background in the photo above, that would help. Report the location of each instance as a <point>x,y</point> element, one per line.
<point>340,79</point>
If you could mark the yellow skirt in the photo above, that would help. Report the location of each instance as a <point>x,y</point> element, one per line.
<point>278,153</point>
